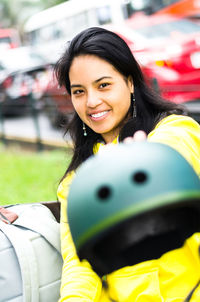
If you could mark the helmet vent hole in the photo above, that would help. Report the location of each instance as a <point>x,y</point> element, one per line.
<point>139,177</point>
<point>104,192</point>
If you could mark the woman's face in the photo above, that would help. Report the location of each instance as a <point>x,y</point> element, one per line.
<point>100,95</point>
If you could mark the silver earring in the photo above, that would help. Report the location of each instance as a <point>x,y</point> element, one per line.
<point>133,105</point>
<point>84,130</point>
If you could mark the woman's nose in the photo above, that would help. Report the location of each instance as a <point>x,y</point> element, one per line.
<point>93,100</point>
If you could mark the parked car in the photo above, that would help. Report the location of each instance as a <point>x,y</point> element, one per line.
<point>22,73</point>
<point>57,102</point>
<point>168,50</point>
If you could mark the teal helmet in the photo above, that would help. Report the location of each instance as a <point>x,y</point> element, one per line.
<point>131,203</point>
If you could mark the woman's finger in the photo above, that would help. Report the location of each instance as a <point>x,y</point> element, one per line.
<point>137,137</point>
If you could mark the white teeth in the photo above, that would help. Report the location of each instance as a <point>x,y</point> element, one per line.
<point>99,114</point>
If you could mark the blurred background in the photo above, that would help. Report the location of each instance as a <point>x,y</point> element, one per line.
<point>164,36</point>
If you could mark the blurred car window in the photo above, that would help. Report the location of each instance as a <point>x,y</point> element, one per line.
<point>6,40</point>
<point>9,38</point>
<point>165,29</point>
<point>1,67</point>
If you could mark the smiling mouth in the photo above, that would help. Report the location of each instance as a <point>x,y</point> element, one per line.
<point>100,114</point>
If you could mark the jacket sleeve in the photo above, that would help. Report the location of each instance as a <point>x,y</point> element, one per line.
<point>181,133</point>
<point>78,281</point>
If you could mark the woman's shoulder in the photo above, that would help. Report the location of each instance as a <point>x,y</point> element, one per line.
<point>63,187</point>
<point>181,133</point>
<point>178,120</point>
<point>176,125</point>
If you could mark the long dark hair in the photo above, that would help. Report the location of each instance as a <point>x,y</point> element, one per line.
<point>110,47</point>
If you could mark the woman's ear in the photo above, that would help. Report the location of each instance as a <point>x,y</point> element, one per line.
<point>130,84</point>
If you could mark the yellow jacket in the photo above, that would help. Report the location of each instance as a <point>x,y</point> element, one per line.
<point>171,278</point>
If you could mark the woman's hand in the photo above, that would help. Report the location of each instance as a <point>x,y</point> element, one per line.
<point>137,137</point>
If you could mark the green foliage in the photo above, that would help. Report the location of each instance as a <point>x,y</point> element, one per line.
<point>30,177</point>
<point>49,3</point>
<point>13,13</point>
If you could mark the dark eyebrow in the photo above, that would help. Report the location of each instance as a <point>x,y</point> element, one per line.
<point>75,85</point>
<point>102,78</point>
<point>96,81</point>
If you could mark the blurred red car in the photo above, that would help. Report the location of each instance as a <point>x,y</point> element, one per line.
<point>168,50</point>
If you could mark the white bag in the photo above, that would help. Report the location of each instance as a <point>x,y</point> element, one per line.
<point>30,258</point>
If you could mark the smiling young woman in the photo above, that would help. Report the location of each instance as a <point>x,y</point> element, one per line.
<point>97,91</point>
<point>112,102</point>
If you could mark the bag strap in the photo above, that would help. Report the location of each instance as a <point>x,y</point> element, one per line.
<point>35,217</point>
<point>44,225</point>
<point>27,260</point>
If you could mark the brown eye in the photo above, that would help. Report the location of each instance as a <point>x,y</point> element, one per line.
<point>77,92</point>
<point>103,85</point>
